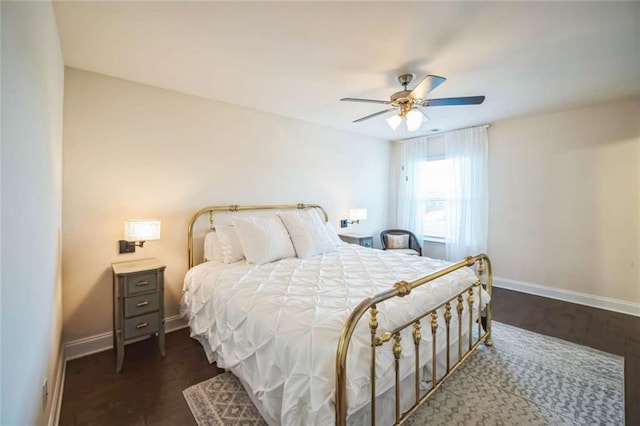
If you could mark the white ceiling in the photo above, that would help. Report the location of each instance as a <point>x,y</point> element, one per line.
<point>298,59</point>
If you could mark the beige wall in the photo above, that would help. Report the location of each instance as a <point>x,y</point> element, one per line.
<point>32,94</point>
<point>565,200</point>
<point>134,151</point>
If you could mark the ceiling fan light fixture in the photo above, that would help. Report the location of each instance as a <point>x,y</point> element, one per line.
<point>414,120</point>
<point>394,121</point>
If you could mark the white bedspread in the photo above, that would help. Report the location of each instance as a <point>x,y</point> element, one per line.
<point>276,326</point>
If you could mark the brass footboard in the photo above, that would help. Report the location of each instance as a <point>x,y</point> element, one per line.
<point>402,289</point>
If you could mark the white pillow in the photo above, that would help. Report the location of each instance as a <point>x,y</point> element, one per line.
<point>307,232</point>
<point>213,248</point>
<point>231,247</point>
<point>263,239</point>
<point>333,235</point>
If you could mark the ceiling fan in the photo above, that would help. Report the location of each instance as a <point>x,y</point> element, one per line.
<point>410,102</point>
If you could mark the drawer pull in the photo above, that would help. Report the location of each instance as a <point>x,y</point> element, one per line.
<point>141,283</point>
<point>142,325</point>
<point>143,303</point>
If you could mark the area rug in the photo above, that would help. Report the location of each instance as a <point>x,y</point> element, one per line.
<point>525,378</point>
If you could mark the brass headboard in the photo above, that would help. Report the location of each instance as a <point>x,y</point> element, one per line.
<point>235,208</point>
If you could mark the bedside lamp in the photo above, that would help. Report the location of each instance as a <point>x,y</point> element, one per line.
<point>137,231</point>
<point>355,216</point>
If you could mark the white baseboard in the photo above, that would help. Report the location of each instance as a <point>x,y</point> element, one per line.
<point>58,387</point>
<point>600,302</point>
<point>103,342</point>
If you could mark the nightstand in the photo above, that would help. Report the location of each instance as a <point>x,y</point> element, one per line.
<point>354,238</point>
<point>138,303</point>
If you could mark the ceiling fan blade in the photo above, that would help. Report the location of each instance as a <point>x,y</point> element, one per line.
<point>373,101</point>
<point>427,84</point>
<point>426,117</point>
<point>372,115</point>
<point>466,100</point>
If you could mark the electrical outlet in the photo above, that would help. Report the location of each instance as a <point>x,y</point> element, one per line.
<point>45,393</point>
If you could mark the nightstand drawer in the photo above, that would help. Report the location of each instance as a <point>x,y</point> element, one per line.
<point>139,305</point>
<point>141,283</point>
<point>142,325</point>
<point>366,242</point>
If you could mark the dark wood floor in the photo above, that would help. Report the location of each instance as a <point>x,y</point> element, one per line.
<point>149,389</point>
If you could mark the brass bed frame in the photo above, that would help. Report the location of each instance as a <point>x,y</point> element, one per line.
<point>370,304</point>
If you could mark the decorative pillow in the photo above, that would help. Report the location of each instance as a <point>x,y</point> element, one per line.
<point>308,234</point>
<point>213,248</point>
<point>263,239</point>
<point>230,243</point>
<point>397,241</point>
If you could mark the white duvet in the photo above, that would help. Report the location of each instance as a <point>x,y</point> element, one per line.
<point>276,326</point>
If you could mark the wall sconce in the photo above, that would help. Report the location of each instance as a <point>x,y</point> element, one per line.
<point>137,231</point>
<point>355,216</point>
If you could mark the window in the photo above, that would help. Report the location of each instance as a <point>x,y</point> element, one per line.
<point>436,177</point>
<point>443,190</point>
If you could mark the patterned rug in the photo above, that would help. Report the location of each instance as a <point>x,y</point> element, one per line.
<point>525,378</point>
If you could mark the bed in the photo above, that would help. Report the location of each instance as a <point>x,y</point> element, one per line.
<point>292,330</point>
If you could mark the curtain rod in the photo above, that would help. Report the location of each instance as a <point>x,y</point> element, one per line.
<point>486,126</point>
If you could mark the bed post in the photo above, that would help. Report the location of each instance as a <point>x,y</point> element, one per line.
<point>481,263</point>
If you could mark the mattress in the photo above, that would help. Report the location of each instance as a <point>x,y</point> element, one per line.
<point>276,326</point>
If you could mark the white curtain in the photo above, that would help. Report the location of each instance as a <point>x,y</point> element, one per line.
<point>468,205</point>
<point>467,201</point>
<point>410,208</point>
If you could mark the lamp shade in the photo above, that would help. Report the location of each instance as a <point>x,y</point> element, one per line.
<point>358,214</point>
<point>414,120</point>
<point>394,121</point>
<point>141,229</point>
